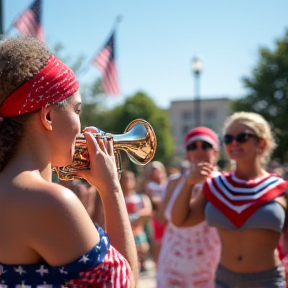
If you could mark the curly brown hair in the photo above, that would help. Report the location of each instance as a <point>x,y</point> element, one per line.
<point>20,59</point>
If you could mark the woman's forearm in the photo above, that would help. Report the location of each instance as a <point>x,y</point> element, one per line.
<point>118,228</point>
<point>181,205</point>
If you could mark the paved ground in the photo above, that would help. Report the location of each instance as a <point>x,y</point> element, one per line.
<point>147,278</point>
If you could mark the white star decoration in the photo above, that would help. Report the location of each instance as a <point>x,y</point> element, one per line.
<point>84,259</point>
<point>105,240</point>
<point>42,270</point>
<point>62,271</point>
<point>20,270</point>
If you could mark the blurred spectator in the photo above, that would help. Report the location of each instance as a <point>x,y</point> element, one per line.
<point>89,197</point>
<point>155,186</point>
<point>189,255</point>
<point>140,210</point>
<point>276,168</point>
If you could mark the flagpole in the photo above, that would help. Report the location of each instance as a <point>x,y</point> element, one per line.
<point>17,17</point>
<point>12,24</point>
<point>1,21</point>
<point>114,27</point>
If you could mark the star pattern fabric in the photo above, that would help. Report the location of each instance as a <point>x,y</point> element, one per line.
<point>102,266</point>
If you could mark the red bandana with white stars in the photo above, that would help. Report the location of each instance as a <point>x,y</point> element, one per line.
<point>51,84</point>
<point>238,199</point>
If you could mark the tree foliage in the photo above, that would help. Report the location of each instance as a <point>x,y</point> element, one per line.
<point>142,106</point>
<point>268,92</point>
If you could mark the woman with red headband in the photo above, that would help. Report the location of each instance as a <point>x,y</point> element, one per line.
<point>47,237</point>
<point>189,256</point>
<point>246,206</point>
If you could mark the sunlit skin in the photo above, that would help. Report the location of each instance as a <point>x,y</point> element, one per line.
<point>247,155</point>
<point>38,217</point>
<point>68,126</point>
<point>239,253</point>
<point>247,251</point>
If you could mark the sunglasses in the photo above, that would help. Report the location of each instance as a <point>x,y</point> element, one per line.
<point>240,138</point>
<point>204,146</point>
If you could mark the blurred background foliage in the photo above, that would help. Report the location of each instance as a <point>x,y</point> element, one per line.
<point>267,94</point>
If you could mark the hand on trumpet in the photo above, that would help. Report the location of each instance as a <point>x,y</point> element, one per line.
<point>103,173</point>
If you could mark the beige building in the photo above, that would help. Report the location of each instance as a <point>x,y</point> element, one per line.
<point>213,113</point>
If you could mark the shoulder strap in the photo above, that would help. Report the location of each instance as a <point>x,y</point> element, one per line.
<point>282,200</point>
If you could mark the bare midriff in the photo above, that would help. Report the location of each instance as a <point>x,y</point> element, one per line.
<point>249,251</point>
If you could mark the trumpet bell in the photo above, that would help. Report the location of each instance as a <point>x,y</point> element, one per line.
<point>138,141</point>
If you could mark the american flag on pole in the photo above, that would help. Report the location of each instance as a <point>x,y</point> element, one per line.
<point>105,62</point>
<point>29,22</point>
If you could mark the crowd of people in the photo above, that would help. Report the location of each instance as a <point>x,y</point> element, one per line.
<point>203,225</point>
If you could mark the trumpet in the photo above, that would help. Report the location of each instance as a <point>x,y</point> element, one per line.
<point>138,141</point>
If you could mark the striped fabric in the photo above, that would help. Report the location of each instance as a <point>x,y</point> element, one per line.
<point>29,22</point>
<point>113,273</point>
<point>106,63</point>
<point>102,267</point>
<point>238,199</point>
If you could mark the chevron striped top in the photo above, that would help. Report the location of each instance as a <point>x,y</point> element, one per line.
<point>239,199</point>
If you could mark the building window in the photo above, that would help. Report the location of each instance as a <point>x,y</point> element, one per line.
<point>210,125</point>
<point>187,115</point>
<point>185,129</point>
<point>210,115</point>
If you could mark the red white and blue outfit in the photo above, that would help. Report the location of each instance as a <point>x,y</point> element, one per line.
<point>102,267</point>
<point>237,204</point>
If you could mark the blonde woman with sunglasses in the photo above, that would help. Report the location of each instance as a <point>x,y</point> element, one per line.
<point>246,206</point>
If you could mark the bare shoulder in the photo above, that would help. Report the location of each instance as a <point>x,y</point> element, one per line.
<point>56,197</point>
<point>59,219</point>
<point>171,185</point>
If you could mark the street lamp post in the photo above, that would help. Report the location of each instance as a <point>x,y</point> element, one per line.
<point>197,69</point>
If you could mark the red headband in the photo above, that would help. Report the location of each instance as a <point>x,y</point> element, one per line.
<point>51,84</point>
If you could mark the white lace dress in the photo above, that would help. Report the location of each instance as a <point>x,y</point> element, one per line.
<point>189,256</point>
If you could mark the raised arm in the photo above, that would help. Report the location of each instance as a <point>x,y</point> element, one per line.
<point>104,177</point>
<point>186,212</point>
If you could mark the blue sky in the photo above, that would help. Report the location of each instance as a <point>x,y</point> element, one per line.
<point>157,40</point>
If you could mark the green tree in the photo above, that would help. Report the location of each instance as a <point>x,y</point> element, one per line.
<point>142,106</point>
<point>268,92</point>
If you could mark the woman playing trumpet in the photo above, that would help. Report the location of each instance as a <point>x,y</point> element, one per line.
<point>47,237</point>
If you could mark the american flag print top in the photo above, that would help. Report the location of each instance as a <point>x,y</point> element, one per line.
<point>238,199</point>
<point>102,267</point>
